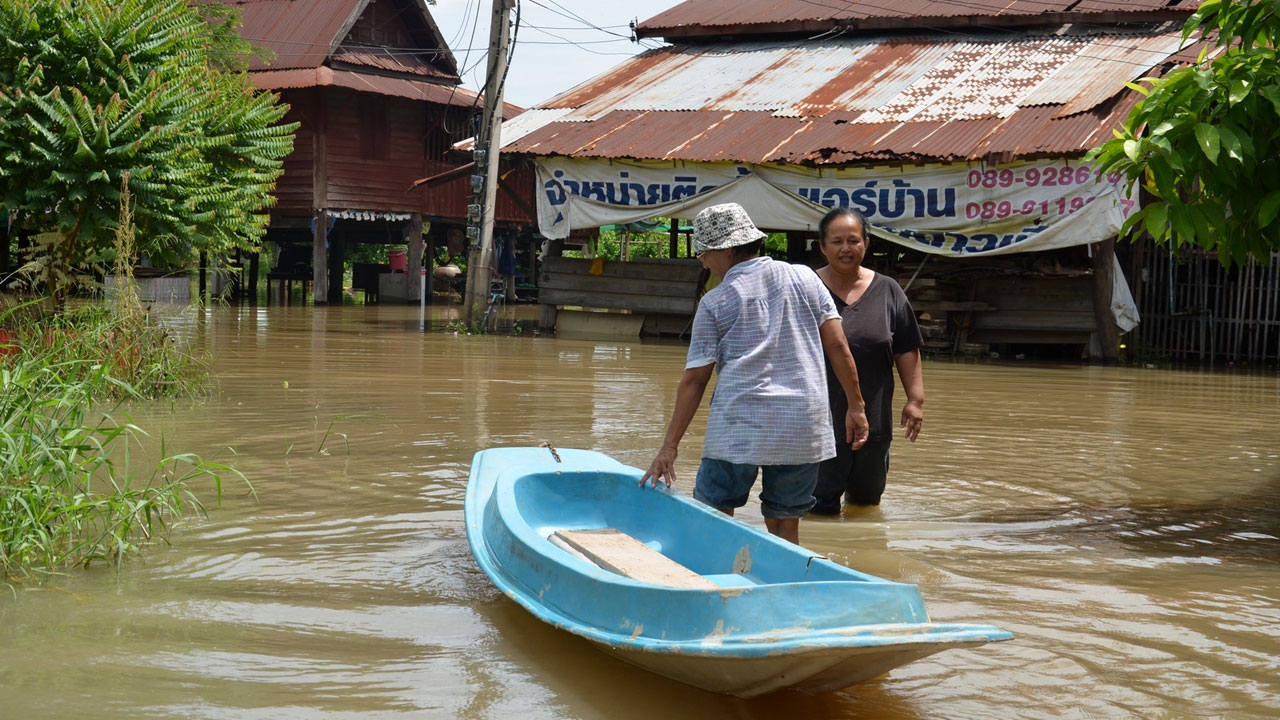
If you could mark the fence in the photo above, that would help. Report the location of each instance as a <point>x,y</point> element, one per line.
<point>1194,309</point>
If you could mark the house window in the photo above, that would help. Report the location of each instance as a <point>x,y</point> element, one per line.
<point>375,135</point>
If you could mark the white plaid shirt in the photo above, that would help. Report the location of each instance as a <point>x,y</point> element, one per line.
<point>760,328</point>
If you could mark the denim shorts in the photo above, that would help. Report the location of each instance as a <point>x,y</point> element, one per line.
<point>787,489</point>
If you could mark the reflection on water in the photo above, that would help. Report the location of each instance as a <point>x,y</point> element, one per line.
<point>1122,523</point>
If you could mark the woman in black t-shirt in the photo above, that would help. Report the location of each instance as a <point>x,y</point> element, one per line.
<point>883,336</point>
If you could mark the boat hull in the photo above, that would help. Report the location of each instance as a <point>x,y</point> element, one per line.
<point>768,615</point>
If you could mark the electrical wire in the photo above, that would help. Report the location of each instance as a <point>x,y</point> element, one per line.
<point>567,13</point>
<point>474,24</point>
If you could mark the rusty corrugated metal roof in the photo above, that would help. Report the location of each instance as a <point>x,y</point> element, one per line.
<point>305,33</point>
<point>715,18</point>
<point>947,97</point>
<point>364,82</point>
<point>299,32</point>
<point>396,61</point>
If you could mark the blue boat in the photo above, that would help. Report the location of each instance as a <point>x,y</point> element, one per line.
<point>680,589</point>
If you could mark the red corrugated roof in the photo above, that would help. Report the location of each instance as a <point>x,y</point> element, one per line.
<point>305,33</point>
<point>716,18</point>
<point>364,82</point>
<point>301,33</point>
<point>936,98</point>
<point>396,61</point>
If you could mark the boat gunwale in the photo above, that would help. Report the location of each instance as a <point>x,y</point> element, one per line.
<point>745,645</point>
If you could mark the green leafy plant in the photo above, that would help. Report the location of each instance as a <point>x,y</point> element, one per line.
<point>92,91</point>
<point>70,490</point>
<point>1205,139</point>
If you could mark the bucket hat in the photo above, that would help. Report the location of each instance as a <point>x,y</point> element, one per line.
<point>723,226</point>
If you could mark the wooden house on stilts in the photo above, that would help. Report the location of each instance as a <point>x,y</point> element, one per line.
<point>376,92</point>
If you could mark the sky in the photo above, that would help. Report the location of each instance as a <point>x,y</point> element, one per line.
<point>560,43</point>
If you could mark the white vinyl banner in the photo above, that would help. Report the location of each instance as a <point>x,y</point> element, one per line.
<point>959,209</point>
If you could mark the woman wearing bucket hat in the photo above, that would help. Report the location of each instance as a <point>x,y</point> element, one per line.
<point>763,330</point>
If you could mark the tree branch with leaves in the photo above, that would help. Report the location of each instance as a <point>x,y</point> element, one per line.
<point>92,91</point>
<point>1204,141</point>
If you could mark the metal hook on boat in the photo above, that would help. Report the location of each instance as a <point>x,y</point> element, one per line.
<point>552,448</point>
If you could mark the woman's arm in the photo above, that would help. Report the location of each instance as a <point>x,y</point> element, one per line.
<point>911,372</point>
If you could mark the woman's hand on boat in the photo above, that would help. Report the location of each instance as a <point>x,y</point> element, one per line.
<point>662,468</point>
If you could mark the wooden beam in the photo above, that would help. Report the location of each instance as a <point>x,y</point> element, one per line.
<point>618,552</point>
<point>533,214</point>
<point>413,261</point>
<point>1104,254</point>
<point>320,259</point>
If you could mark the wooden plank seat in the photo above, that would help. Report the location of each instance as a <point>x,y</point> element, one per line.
<point>618,552</point>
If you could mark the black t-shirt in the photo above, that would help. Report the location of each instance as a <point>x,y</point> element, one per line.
<point>878,326</point>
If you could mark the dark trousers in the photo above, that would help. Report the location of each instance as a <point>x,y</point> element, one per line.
<point>858,475</point>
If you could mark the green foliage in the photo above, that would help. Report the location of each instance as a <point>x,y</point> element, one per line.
<point>641,243</point>
<point>608,245</point>
<point>71,489</point>
<point>1205,139</point>
<point>136,357</point>
<point>227,50</point>
<point>119,356</point>
<point>92,91</point>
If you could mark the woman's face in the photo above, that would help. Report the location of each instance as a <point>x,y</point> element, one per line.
<point>844,245</point>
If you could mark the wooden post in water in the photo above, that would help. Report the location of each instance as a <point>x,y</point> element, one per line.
<point>253,278</point>
<point>335,260</point>
<point>1104,254</point>
<point>204,282</point>
<point>413,259</point>
<point>429,252</point>
<point>319,258</point>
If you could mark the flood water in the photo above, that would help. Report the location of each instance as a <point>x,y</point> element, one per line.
<point>1123,523</point>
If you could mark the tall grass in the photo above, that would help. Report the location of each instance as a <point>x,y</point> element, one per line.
<point>71,490</point>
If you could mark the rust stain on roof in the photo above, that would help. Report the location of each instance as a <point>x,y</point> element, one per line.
<point>363,82</point>
<point>745,18</point>
<point>398,61</point>
<point>373,33</point>
<point>940,97</point>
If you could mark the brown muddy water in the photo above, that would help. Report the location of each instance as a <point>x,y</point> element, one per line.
<point>1123,523</point>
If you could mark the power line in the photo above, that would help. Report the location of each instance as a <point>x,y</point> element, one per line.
<point>581,44</point>
<point>567,13</point>
<point>458,35</point>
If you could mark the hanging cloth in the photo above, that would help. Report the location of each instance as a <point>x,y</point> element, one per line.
<point>506,255</point>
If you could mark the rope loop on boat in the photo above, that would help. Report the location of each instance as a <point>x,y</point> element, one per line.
<point>550,447</point>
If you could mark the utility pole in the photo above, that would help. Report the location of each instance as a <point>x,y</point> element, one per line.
<point>488,140</point>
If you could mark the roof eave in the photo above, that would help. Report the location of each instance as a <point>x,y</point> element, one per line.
<point>882,25</point>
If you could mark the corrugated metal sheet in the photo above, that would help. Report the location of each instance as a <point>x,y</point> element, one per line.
<point>703,18</point>
<point>303,33</point>
<point>942,98</point>
<point>299,32</point>
<point>528,121</point>
<point>886,68</point>
<point>399,61</point>
<point>381,85</point>
<point>1107,63</point>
